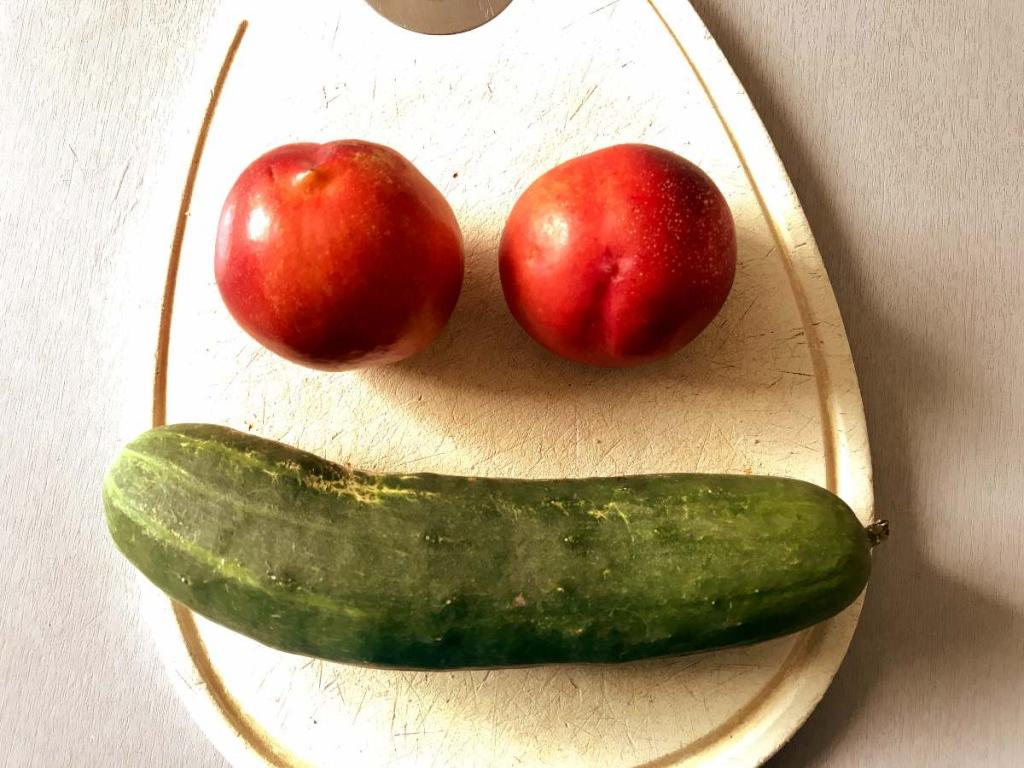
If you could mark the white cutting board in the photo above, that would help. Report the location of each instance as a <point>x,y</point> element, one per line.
<point>769,388</point>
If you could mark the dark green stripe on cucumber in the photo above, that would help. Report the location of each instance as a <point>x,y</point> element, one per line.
<point>431,571</point>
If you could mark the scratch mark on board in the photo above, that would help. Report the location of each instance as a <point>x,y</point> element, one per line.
<point>585,100</point>
<point>120,183</point>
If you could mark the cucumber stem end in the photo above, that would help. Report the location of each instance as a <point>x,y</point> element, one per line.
<point>878,532</point>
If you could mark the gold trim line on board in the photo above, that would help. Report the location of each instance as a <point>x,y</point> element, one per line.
<point>806,316</point>
<point>171,281</point>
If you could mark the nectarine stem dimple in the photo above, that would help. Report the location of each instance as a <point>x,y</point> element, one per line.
<point>308,178</point>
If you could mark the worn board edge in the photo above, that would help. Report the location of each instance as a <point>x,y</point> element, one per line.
<point>755,732</point>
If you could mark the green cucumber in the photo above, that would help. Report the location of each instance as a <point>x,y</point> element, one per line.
<point>431,572</point>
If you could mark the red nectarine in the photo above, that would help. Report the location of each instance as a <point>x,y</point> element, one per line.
<point>618,257</point>
<point>338,255</point>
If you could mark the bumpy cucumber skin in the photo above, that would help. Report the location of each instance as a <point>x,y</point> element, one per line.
<point>436,572</point>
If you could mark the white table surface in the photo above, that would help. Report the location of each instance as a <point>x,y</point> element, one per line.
<point>902,125</point>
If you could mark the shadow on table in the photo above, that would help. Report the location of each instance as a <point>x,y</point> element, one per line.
<point>918,622</point>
